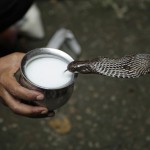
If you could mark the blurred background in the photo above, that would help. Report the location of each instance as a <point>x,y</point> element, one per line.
<point>103,113</point>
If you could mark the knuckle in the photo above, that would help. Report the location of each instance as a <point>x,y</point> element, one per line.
<point>15,54</point>
<point>15,109</point>
<point>17,91</point>
<point>29,95</point>
<point>14,91</point>
<point>33,111</point>
<point>2,78</point>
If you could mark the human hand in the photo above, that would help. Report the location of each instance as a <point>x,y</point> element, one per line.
<point>12,92</point>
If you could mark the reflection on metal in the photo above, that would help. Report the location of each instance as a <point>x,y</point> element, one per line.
<point>53,97</point>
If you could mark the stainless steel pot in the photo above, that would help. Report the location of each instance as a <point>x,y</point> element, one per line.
<point>54,98</point>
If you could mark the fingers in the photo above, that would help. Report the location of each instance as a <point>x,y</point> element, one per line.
<point>11,91</point>
<point>22,109</point>
<point>10,84</point>
<point>18,91</point>
<point>49,114</point>
<point>11,60</point>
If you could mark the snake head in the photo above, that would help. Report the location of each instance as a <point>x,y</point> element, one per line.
<point>79,67</point>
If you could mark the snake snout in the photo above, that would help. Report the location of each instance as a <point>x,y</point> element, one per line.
<point>72,67</point>
<point>79,67</point>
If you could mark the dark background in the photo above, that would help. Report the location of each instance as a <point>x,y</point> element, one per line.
<point>103,113</point>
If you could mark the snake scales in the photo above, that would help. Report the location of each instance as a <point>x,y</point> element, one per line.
<point>131,66</point>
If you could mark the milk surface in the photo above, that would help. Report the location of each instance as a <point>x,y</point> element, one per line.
<point>48,72</point>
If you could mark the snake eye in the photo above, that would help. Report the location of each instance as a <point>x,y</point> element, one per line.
<point>78,67</point>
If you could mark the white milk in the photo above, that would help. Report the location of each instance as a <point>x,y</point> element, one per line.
<point>48,72</point>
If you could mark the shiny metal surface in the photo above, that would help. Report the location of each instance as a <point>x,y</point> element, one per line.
<point>54,98</point>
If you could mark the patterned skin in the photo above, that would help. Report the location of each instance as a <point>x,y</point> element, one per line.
<point>131,66</point>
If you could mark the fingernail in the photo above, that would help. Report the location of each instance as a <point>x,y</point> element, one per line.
<point>40,97</point>
<point>44,112</point>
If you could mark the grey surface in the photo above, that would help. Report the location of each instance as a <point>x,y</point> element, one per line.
<point>103,113</point>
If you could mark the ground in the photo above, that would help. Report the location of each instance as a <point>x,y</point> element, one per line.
<point>103,113</point>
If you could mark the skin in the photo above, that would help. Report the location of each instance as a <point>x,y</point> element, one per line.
<point>131,66</point>
<point>11,91</point>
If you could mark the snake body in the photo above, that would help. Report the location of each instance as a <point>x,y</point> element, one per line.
<point>131,66</point>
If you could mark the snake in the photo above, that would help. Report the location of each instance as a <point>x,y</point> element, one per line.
<point>128,66</point>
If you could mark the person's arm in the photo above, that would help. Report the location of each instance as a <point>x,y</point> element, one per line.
<point>11,91</point>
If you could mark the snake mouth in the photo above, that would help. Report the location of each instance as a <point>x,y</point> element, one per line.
<point>71,67</point>
<point>129,66</point>
<point>79,67</point>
